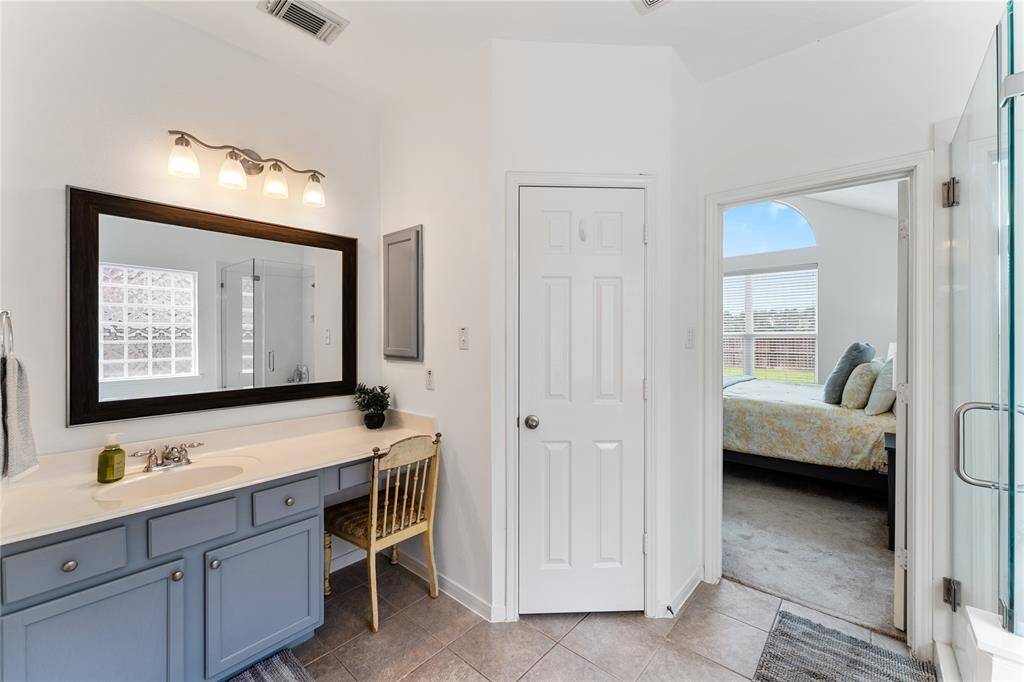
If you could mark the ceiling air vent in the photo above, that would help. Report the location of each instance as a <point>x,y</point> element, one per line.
<point>646,6</point>
<point>314,19</point>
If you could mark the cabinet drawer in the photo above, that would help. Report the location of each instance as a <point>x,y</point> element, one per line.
<point>192,526</point>
<point>355,474</point>
<point>63,563</point>
<point>284,500</point>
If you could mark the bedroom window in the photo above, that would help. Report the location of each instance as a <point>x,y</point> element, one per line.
<point>770,324</point>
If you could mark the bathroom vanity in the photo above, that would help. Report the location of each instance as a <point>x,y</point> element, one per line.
<point>190,573</point>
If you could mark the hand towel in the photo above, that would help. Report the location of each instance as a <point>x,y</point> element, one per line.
<point>19,447</point>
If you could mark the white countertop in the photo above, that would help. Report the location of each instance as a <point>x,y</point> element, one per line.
<point>62,494</point>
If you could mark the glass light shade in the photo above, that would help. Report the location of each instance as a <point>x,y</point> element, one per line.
<point>182,161</point>
<point>232,175</point>
<point>275,185</point>
<point>313,194</point>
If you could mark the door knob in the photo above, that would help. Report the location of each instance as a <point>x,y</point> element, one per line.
<point>215,564</point>
<point>289,501</point>
<point>69,566</point>
<point>177,576</point>
<point>531,421</point>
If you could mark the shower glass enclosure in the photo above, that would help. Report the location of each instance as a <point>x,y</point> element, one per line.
<point>987,340</point>
<point>267,323</point>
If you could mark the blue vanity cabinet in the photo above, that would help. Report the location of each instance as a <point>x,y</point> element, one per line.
<point>262,592</point>
<point>131,628</point>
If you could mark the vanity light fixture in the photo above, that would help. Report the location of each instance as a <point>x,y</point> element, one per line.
<point>241,163</point>
<point>182,161</point>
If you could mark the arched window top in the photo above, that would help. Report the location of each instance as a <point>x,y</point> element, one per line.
<point>764,227</point>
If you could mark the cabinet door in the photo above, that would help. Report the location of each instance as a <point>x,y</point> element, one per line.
<point>132,628</point>
<point>261,592</point>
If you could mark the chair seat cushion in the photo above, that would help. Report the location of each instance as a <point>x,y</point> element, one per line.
<point>352,518</point>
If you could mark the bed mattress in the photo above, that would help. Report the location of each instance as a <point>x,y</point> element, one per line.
<point>790,421</point>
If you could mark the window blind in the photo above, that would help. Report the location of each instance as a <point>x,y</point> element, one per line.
<point>770,324</point>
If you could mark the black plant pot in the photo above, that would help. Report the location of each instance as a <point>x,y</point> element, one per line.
<point>373,420</point>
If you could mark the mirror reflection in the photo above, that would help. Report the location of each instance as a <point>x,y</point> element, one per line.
<point>185,310</point>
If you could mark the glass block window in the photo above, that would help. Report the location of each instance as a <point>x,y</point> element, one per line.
<point>147,323</point>
<point>247,324</point>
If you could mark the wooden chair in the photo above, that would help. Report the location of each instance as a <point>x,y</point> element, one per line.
<point>400,506</point>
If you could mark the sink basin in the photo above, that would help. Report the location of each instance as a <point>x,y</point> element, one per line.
<point>168,482</point>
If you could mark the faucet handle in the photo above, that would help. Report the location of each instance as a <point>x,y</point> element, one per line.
<point>144,453</point>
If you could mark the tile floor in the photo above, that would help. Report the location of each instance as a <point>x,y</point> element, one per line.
<point>718,635</point>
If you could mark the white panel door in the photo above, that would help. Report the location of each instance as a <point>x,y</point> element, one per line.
<point>581,372</point>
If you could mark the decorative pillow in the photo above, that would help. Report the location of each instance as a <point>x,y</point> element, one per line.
<point>857,354</point>
<point>883,396</point>
<point>859,385</point>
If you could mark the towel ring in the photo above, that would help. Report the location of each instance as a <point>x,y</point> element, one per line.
<point>6,333</point>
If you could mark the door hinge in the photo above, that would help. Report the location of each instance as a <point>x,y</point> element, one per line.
<point>903,394</point>
<point>951,193</point>
<point>1006,613</point>
<point>645,233</point>
<point>645,543</point>
<point>645,388</point>
<point>951,592</point>
<point>901,557</point>
<point>903,229</point>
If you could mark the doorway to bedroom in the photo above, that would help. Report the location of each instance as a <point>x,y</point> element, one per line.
<point>813,294</point>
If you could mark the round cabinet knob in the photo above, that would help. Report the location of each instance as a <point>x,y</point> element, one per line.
<point>215,564</point>
<point>531,421</point>
<point>177,576</point>
<point>69,566</point>
<point>289,501</point>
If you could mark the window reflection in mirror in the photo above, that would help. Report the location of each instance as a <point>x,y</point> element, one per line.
<point>185,311</point>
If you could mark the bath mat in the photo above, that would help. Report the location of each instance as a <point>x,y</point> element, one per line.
<point>799,649</point>
<point>282,667</point>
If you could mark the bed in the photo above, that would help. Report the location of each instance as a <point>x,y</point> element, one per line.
<point>788,427</point>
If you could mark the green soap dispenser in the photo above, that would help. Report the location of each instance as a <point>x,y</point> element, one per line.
<point>111,461</point>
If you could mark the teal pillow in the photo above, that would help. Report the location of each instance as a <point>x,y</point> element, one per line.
<point>883,396</point>
<point>857,354</point>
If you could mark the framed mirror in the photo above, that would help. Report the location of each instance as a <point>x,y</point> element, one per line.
<point>175,310</point>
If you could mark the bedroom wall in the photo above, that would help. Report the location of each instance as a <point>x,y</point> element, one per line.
<point>100,122</point>
<point>857,259</point>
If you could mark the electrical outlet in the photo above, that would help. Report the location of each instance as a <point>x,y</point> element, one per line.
<point>463,338</point>
<point>430,380</point>
<point>327,337</point>
<point>691,337</point>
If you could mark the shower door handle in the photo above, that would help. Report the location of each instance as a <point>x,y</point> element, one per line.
<point>270,360</point>
<point>959,466</point>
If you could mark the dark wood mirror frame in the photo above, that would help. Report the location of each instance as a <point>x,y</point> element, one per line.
<point>84,405</point>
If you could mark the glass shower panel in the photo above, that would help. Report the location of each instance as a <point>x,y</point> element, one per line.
<point>238,338</point>
<point>1011,471</point>
<point>288,321</point>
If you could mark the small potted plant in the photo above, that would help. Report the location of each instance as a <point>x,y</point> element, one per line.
<point>373,400</point>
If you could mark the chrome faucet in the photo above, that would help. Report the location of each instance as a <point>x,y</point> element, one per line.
<point>172,456</point>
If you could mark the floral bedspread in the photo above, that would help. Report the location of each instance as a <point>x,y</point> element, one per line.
<point>790,421</point>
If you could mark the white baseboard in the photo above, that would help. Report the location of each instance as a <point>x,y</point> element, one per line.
<point>449,587</point>
<point>686,590</point>
<point>945,663</point>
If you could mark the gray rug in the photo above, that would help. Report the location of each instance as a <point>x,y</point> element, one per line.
<point>799,649</point>
<point>818,544</point>
<point>281,667</point>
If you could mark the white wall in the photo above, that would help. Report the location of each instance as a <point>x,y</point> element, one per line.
<point>620,110</point>
<point>857,275</point>
<point>435,155</point>
<point>89,105</point>
<point>869,93</point>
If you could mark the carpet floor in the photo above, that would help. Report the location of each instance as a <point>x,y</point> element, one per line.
<point>819,544</point>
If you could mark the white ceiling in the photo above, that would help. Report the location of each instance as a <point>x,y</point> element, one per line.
<point>379,49</point>
<point>879,197</point>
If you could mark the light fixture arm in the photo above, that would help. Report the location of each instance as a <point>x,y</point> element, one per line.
<point>248,154</point>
